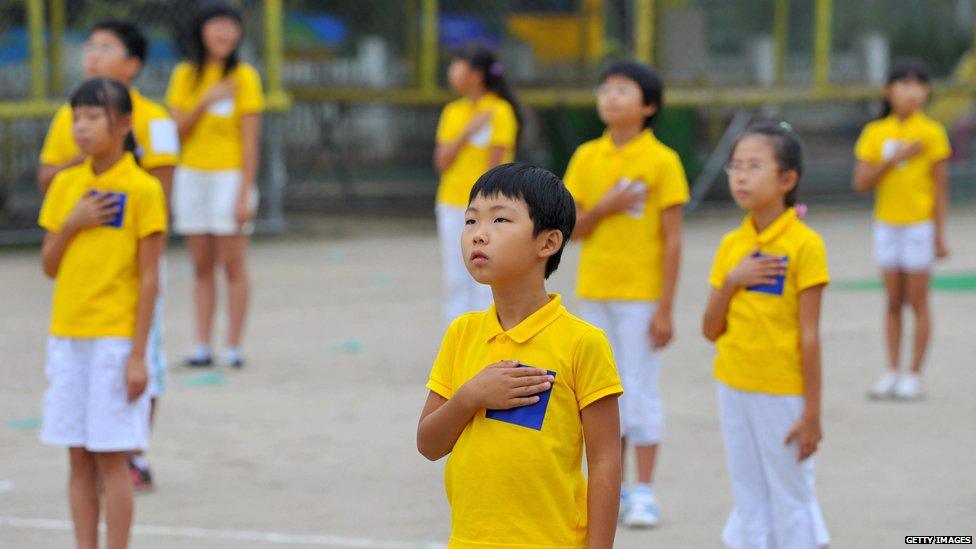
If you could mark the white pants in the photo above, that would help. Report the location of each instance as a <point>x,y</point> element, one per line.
<point>775,504</point>
<point>462,293</point>
<point>86,405</point>
<point>626,324</point>
<point>909,248</point>
<point>155,354</point>
<point>205,202</point>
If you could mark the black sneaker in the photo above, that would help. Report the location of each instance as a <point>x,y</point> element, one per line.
<point>198,362</point>
<point>141,478</point>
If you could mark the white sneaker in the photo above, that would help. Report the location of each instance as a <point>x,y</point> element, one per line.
<point>885,387</point>
<point>909,387</point>
<point>642,511</point>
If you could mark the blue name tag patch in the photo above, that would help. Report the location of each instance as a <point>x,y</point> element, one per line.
<point>530,416</point>
<point>116,221</point>
<point>775,288</point>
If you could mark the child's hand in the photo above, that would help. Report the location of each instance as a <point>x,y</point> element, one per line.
<point>476,124</point>
<point>661,329</point>
<point>504,385</point>
<point>620,198</point>
<point>225,89</point>
<point>92,210</point>
<point>941,249</point>
<point>753,271</point>
<point>136,377</point>
<point>243,212</point>
<point>807,434</point>
<point>907,151</point>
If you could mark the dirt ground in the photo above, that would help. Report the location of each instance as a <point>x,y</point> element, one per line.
<point>312,444</point>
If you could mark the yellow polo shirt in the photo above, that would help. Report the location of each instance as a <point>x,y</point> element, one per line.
<point>760,349</point>
<point>215,142</point>
<point>472,161</point>
<point>96,291</point>
<point>622,259</point>
<point>906,193</point>
<point>511,485</point>
<point>157,138</point>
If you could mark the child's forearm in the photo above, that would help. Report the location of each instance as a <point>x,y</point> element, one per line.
<point>713,325</point>
<point>941,176</point>
<point>671,267</point>
<point>148,290</point>
<point>53,250</point>
<point>440,429</point>
<point>867,175</point>
<point>250,139</point>
<point>586,221</point>
<point>603,502</point>
<point>810,363</point>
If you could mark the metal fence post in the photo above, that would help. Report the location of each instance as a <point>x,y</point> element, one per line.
<point>38,60</point>
<point>781,23</point>
<point>644,31</point>
<point>822,41</point>
<point>428,45</point>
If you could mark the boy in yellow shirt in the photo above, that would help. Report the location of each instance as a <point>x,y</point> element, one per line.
<point>106,222</point>
<point>629,190</point>
<point>517,390</point>
<point>118,50</point>
<point>903,157</point>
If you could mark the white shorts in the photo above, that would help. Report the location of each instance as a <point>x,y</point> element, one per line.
<point>155,354</point>
<point>205,202</point>
<point>462,294</point>
<point>909,248</point>
<point>85,405</point>
<point>626,324</point>
<point>775,503</point>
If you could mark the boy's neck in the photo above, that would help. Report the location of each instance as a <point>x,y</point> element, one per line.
<point>903,116</point>
<point>102,163</point>
<point>475,95</point>
<point>763,217</point>
<point>621,135</point>
<point>517,302</point>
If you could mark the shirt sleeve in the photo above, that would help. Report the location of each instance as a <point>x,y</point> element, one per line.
<point>444,125</point>
<point>595,371</point>
<point>176,91</point>
<point>716,278</point>
<point>441,374</point>
<point>574,179</point>
<point>54,209</point>
<point>59,144</point>
<point>250,96</point>
<point>151,210</point>
<point>504,126</point>
<point>673,184</point>
<point>867,148</point>
<point>939,147</point>
<point>811,268</point>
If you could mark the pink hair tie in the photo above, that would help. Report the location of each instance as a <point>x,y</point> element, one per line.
<point>496,69</point>
<point>801,210</point>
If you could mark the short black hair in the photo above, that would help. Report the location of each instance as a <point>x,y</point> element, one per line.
<point>904,69</point>
<point>646,78</point>
<point>549,202</point>
<point>787,149</point>
<point>136,44</point>
<point>111,95</point>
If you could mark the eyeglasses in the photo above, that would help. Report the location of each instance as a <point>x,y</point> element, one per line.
<point>748,168</point>
<point>619,90</point>
<point>101,49</point>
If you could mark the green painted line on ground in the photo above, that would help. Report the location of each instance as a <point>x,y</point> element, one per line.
<point>963,282</point>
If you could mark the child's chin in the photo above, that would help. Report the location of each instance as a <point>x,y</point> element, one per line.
<point>481,277</point>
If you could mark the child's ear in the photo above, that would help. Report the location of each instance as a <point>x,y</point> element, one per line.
<point>649,111</point>
<point>788,180</point>
<point>550,242</point>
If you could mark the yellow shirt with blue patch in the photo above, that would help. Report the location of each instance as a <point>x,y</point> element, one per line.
<point>515,478</point>
<point>96,290</point>
<point>760,349</point>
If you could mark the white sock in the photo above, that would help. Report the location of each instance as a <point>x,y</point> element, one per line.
<point>140,462</point>
<point>232,354</point>
<point>644,489</point>
<point>200,351</point>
